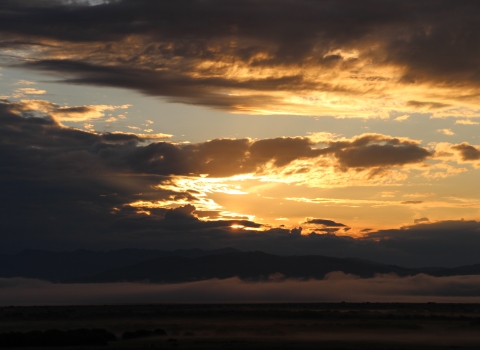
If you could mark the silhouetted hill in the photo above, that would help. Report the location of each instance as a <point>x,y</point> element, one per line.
<point>193,265</point>
<point>453,271</point>
<point>67,266</point>
<point>250,266</point>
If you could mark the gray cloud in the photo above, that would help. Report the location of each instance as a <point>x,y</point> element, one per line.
<point>373,150</point>
<point>467,152</point>
<point>418,221</point>
<point>382,155</point>
<point>219,157</point>
<point>427,105</point>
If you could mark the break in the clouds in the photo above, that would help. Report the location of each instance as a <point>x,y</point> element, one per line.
<point>342,58</point>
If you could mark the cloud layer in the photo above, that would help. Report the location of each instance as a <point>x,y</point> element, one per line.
<point>33,123</point>
<point>339,58</point>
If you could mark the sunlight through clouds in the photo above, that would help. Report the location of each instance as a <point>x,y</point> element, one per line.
<point>302,125</point>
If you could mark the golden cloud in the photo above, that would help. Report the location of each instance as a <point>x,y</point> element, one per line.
<point>69,114</point>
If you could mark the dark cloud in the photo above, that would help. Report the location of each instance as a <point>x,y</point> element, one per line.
<point>427,105</point>
<point>412,202</point>
<point>382,155</point>
<point>328,223</point>
<point>74,186</point>
<point>373,150</point>
<point>467,152</point>
<point>227,157</point>
<point>430,41</point>
<point>418,221</point>
<point>41,135</point>
<point>177,219</point>
<point>452,242</point>
<point>444,243</point>
<point>219,157</point>
<point>34,130</point>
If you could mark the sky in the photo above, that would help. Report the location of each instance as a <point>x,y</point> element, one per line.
<point>339,128</point>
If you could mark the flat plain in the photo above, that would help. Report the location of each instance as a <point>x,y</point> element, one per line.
<point>263,326</point>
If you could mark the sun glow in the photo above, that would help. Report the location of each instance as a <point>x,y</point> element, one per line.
<point>237,226</point>
<point>202,185</point>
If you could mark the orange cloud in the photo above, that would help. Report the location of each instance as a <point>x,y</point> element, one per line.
<point>68,114</point>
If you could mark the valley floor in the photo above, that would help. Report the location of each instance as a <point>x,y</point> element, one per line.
<point>263,326</point>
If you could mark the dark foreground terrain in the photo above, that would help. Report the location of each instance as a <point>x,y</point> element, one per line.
<point>252,326</point>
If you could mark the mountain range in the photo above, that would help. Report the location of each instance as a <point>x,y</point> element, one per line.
<point>141,265</point>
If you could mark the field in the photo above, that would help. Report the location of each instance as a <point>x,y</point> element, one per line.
<point>263,326</point>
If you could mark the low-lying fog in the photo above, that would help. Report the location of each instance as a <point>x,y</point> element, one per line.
<point>336,287</point>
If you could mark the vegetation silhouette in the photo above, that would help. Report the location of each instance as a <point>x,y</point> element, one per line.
<point>143,333</point>
<point>57,338</point>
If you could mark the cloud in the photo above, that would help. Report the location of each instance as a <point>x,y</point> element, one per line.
<point>217,158</point>
<point>157,136</point>
<point>229,157</point>
<point>467,152</point>
<point>68,114</point>
<point>344,59</point>
<point>427,105</point>
<point>25,82</point>
<point>446,132</point>
<point>418,221</point>
<point>29,91</point>
<point>337,287</point>
<point>82,113</point>
<point>382,155</point>
<point>376,150</point>
<point>449,202</point>
<point>402,118</point>
<point>328,223</point>
<point>466,122</point>
<point>433,243</point>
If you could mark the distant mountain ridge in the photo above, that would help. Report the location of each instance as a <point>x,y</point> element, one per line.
<point>255,266</point>
<point>69,266</point>
<point>142,265</point>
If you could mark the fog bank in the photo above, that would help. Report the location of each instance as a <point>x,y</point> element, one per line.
<point>336,287</point>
